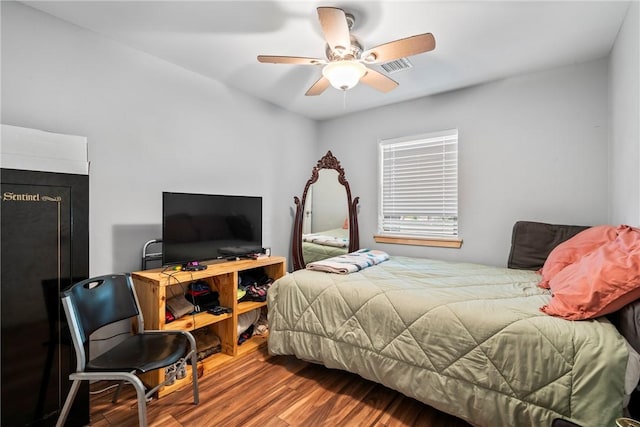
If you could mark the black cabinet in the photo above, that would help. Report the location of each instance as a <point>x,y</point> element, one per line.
<point>45,247</point>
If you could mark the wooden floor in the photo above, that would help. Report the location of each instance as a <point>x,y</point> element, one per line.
<point>263,390</point>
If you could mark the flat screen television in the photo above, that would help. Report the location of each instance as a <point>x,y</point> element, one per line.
<point>200,227</point>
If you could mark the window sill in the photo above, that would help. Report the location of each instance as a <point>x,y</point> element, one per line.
<point>418,241</point>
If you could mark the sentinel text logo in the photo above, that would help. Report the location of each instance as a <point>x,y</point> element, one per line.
<point>9,196</point>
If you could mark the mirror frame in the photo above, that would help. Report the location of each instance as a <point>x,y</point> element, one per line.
<point>328,161</point>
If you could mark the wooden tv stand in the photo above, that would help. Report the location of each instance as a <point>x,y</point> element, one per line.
<point>151,288</point>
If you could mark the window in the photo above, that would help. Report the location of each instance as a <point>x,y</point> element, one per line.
<point>418,199</point>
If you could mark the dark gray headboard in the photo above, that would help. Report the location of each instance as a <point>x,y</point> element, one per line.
<point>531,242</point>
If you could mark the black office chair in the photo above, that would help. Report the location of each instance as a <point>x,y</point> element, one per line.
<point>99,301</point>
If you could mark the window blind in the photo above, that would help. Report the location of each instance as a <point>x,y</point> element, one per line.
<point>419,185</point>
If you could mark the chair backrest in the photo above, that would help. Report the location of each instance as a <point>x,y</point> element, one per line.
<point>100,301</point>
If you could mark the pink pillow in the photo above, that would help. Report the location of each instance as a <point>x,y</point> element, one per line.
<point>573,249</point>
<point>601,282</point>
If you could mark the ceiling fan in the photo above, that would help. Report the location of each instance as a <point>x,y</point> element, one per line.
<point>346,61</point>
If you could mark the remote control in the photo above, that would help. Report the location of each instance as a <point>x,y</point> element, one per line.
<point>217,310</point>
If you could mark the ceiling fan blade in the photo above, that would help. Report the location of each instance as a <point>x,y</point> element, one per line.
<point>290,60</point>
<point>335,28</point>
<point>400,48</point>
<point>378,81</point>
<point>318,87</point>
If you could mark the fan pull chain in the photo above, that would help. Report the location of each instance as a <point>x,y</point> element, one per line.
<point>344,99</point>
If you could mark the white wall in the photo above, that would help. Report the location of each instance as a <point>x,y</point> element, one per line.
<point>624,116</point>
<point>151,127</point>
<point>533,147</point>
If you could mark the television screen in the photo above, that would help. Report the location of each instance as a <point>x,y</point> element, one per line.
<point>199,227</point>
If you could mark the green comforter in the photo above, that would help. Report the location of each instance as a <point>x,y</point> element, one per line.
<point>464,338</point>
<point>315,252</point>
<point>312,252</point>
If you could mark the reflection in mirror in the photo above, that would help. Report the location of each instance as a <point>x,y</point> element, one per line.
<point>325,206</point>
<point>325,226</point>
<point>326,223</point>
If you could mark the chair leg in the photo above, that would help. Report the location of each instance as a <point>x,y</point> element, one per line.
<point>117,393</point>
<point>142,405</point>
<point>194,367</point>
<point>67,403</point>
<point>142,401</point>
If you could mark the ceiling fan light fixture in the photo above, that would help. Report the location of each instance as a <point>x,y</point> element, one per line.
<point>344,75</point>
<point>346,62</point>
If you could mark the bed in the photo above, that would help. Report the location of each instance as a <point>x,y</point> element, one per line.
<point>467,339</point>
<point>325,244</point>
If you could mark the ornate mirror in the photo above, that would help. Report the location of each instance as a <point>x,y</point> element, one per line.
<point>326,222</point>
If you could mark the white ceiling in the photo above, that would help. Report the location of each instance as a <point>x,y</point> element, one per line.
<point>476,41</point>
